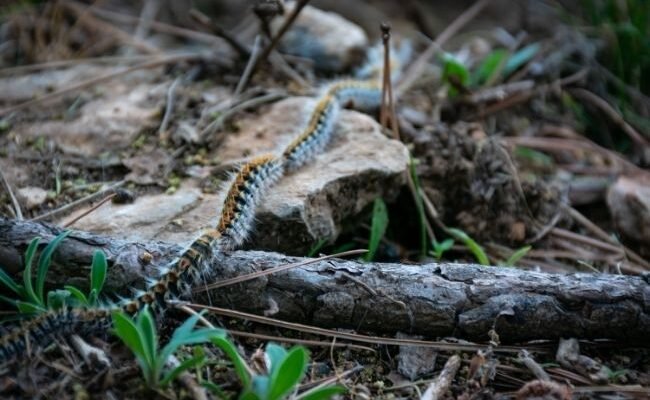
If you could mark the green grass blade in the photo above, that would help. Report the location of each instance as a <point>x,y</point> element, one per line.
<point>276,354</point>
<point>420,208</point>
<point>30,296</point>
<point>184,366</point>
<point>474,247</point>
<point>322,393</point>
<point>517,255</point>
<point>77,294</point>
<point>98,271</point>
<point>314,250</point>
<point>377,228</point>
<point>289,373</point>
<point>44,264</point>
<point>128,332</point>
<point>9,282</point>
<point>520,58</point>
<point>29,308</point>
<point>147,328</point>
<point>238,362</point>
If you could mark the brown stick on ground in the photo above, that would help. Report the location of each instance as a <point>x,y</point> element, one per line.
<point>434,300</point>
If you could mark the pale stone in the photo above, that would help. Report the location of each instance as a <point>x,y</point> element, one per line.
<point>31,197</point>
<point>628,200</point>
<point>110,122</point>
<point>333,42</point>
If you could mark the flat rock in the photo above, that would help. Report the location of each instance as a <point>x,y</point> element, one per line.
<point>159,216</point>
<point>311,204</point>
<point>333,42</point>
<point>628,200</point>
<point>109,122</point>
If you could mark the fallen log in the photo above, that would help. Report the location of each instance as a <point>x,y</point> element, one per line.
<point>433,300</point>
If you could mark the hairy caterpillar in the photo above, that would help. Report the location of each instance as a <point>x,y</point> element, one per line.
<point>244,194</point>
<point>316,135</point>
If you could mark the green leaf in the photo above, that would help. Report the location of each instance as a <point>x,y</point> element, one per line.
<point>439,248</point>
<point>489,67</point>
<point>420,207</point>
<point>314,250</point>
<point>128,332</point>
<point>9,300</point>
<point>98,271</point>
<point>454,72</point>
<point>238,362</point>
<point>77,294</point>
<point>27,273</point>
<point>276,354</point>
<point>249,395</point>
<point>322,393</point>
<point>184,366</point>
<point>44,264</point>
<point>147,329</point>
<point>261,387</point>
<point>517,255</point>
<point>29,308</point>
<point>474,247</point>
<point>378,227</point>
<point>214,389</point>
<point>9,282</point>
<point>57,299</point>
<point>520,58</point>
<point>289,373</point>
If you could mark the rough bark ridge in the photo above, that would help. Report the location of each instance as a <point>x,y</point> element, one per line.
<point>431,300</point>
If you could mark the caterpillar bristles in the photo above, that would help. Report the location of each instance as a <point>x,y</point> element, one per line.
<point>316,134</point>
<point>247,189</point>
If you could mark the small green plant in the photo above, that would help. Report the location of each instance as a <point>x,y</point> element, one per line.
<point>454,73</point>
<point>316,247</point>
<point>439,248</point>
<point>140,336</point>
<point>285,371</point>
<point>471,244</point>
<point>31,295</point>
<point>377,228</point>
<point>516,256</point>
<point>419,206</point>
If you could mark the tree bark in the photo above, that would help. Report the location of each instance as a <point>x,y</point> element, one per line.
<point>434,300</point>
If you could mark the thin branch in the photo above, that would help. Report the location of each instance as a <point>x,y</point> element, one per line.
<point>78,202</point>
<point>17,211</point>
<point>300,4</point>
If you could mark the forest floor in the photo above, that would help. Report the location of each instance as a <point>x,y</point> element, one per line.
<point>529,140</point>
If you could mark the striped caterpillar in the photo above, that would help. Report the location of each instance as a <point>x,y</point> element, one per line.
<point>237,216</point>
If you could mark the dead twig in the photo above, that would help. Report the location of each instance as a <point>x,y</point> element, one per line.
<point>169,107</point>
<point>252,60</point>
<point>78,202</point>
<point>440,385</point>
<point>91,209</point>
<point>218,30</point>
<point>17,211</point>
<point>254,102</point>
<point>352,336</point>
<point>611,113</point>
<point>300,4</point>
<point>247,277</point>
<point>387,105</point>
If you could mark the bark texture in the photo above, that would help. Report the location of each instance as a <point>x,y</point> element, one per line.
<point>433,300</point>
